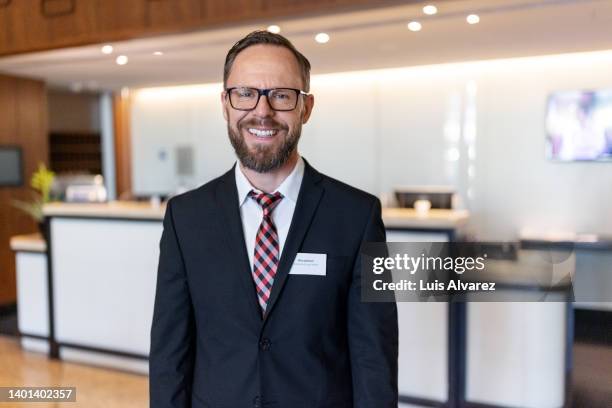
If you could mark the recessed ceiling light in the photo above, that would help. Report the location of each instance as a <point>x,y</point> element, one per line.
<point>107,49</point>
<point>121,60</point>
<point>430,10</point>
<point>274,29</point>
<point>322,38</point>
<point>473,19</point>
<point>158,53</point>
<point>414,26</point>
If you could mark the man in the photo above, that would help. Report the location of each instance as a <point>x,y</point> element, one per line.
<point>258,288</point>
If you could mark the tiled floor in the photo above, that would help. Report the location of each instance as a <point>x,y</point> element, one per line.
<point>96,387</point>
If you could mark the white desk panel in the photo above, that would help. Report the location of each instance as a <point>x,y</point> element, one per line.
<point>32,293</point>
<point>516,354</point>
<point>104,274</point>
<point>423,336</point>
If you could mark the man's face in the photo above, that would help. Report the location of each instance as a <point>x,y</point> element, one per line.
<point>265,139</point>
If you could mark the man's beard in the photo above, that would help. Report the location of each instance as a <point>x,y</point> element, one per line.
<point>263,158</point>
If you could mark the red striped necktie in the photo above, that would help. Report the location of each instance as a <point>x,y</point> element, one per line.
<point>267,252</point>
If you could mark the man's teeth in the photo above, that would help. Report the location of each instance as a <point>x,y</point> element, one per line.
<point>262,132</point>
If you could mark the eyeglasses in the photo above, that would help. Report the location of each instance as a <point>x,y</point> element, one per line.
<point>279,99</point>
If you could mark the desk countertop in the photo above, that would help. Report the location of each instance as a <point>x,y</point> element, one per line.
<point>393,217</point>
<point>28,243</point>
<point>113,209</point>
<point>434,218</point>
<point>589,242</point>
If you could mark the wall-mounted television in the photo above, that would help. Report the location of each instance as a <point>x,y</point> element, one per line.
<point>579,126</point>
<point>11,166</point>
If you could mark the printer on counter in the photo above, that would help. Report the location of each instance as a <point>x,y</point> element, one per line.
<point>80,188</point>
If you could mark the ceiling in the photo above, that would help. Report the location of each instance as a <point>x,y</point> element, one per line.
<point>359,40</point>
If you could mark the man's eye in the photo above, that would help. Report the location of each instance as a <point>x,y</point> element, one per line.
<point>245,93</point>
<point>282,95</point>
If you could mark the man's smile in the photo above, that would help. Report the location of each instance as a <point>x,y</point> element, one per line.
<point>263,132</point>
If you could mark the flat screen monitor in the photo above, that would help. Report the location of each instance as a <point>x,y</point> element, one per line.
<point>579,126</point>
<point>11,166</point>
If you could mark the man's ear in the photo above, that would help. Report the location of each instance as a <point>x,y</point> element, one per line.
<point>308,105</point>
<point>224,105</point>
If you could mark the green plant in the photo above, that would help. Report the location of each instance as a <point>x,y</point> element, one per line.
<point>41,182</point>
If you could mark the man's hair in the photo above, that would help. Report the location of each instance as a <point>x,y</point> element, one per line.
<point>266,37</point>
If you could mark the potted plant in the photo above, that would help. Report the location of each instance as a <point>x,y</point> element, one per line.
<point>41,183</point>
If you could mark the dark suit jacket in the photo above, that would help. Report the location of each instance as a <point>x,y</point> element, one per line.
<point>318,346</point>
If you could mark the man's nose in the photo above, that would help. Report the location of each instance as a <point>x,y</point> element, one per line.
<point>263,109</point>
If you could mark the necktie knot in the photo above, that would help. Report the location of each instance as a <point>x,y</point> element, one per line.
<point>267,201</point>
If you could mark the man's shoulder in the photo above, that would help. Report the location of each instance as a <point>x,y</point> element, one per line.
<point>200,196</point>
<point>345,194</point>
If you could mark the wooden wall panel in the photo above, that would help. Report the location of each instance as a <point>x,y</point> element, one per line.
<point>123,149</point>
<point>8,90</point>
<point>5,25</point>
<point>118,17</point>
<point>298,5</point>
<point>24,28</point>
<point>219,12</point>
<point>23,122</point>
<point>166,14</point>
<point>28,28</point>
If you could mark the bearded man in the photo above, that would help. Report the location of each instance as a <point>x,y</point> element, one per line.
<point>258,300</point>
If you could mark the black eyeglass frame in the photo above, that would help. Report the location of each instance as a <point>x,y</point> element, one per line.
<point>265,92</point>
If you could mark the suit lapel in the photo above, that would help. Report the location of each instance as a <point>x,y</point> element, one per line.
<point>307,203</point>
<point>227,201</point>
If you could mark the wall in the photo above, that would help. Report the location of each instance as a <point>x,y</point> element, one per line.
<point>478,126</point>
<point>165,119</point>
<point>23,122</point>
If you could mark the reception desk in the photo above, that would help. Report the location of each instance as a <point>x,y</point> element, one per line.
<point>478,354</point>
<point>88,296</point>
<point>87,293</point>
<point>97,277</point>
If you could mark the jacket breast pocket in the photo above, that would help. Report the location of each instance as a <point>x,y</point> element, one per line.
<point>335,274</point>
<point>312,296</point>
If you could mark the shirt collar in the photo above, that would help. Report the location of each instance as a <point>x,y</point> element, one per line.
<point>289,188</point>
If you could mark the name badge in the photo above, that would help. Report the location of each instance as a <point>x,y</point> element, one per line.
<point>309,264</point>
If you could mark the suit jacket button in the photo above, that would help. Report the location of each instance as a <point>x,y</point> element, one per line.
<point>257,402</point>
<point>265,344</point>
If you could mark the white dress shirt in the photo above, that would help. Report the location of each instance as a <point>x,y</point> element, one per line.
<point>251,212</point>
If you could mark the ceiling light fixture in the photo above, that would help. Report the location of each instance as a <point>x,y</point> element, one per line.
<point>274,29</point>
<point>322,38</point>
<point>121,60</point>
<point>430,10</point>
<point>473,19</point>
<point>414,26</point>
<point>158,53</point>
<point>107,49</point>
